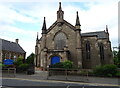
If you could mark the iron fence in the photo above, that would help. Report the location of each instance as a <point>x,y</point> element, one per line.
<point>9,72</point>
<point>80,74</point>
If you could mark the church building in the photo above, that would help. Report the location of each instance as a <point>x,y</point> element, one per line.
<point>64,41</point>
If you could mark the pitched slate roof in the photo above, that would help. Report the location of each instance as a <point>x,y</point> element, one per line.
<point>10,46</point>
<point>99,34</point>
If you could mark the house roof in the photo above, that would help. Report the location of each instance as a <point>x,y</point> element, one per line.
<point>11,46</point>
<point>99,34</point>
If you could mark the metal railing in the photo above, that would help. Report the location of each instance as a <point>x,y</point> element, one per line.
<point>9,71</point>
<point>67,73</point>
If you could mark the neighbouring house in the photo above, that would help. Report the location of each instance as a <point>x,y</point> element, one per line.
<point>64,41</point>
<point>11,50</point>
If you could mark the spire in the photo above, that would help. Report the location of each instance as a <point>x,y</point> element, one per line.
<point>44,27</point>
<point>37,36</point>
<point>77,25</point>
<point>60,8</point>
<point>60,13</point>
<point>106,28</point>
<point>77,20</point>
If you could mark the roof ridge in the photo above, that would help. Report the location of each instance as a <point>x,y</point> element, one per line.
<point>57,22</point>
<point>94,32</point>
<point>11,46</point>
<point>100,34</point>
<point>69,23</point>
<point>7,40</point>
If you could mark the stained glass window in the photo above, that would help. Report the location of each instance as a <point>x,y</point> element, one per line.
<point>87,50</point>
<point>60,41</point>
<point>101,48</point>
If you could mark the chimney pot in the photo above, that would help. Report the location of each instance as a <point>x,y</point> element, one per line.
<point>17,40</point>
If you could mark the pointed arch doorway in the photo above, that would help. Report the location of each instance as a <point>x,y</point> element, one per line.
<point>55,59</point>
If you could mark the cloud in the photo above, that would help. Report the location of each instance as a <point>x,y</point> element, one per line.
<point>57,0</point>
<point>10,16</point>
<point>96,18</point>
<point>98,14</point>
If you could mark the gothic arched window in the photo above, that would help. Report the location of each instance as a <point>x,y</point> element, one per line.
<point>87,50</point>
<point>101,48</point>
<point>60,41</point>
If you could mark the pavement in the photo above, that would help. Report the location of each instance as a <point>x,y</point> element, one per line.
<point>43,76</point>
<point>39,75</point>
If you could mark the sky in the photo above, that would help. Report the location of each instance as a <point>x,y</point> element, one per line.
<point>22,19</point>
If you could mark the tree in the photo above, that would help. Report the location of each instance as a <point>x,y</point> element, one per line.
<point>20,66</point>
<point>19,61</point>
<point>30,59</point>
<point>117,57</point>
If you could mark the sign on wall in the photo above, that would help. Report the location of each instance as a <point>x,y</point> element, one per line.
<point>8,62</point>
<point>55,59</point>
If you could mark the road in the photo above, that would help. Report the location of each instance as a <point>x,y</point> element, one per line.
<point>25,83</point>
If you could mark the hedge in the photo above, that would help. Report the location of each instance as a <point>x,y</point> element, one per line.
<point>105,70</point>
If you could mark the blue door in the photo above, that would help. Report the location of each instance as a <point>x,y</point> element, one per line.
<point>55,59</point>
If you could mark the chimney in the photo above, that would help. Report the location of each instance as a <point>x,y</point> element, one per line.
<point>17,40</point>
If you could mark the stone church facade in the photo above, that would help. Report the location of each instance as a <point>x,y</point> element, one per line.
<point>63,41</point>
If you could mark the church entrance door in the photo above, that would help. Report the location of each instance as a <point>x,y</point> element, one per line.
<point>55,59</point>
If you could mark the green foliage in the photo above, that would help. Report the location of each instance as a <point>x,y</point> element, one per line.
<point>7,66</point>
<point>117,61</point>
<point>117,57</point>
<point>118,74</point>
<point>23,67</point>
<point>2,65</point>
<point>30,59</point>
<point>119,52</point>
<point>105,70</point>
<point>66,64</point>
<point>20,66</point>
<point>57,65</point>
<point>19,61</point>
<point>115,53</point>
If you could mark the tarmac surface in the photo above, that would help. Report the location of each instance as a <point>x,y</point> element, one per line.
<point>43,76</point>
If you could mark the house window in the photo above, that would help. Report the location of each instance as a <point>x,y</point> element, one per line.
<point>60,41</point>
<point>101,48</point>
<point>87,50</point>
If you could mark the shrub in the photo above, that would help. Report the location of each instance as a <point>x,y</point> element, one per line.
<point>57,65</point>
<point>22,67</point>
<point>1,65</point>
<point>19,61</point>
<point>105,70</point>
<point>118,74</point>
<point>67,64</point>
